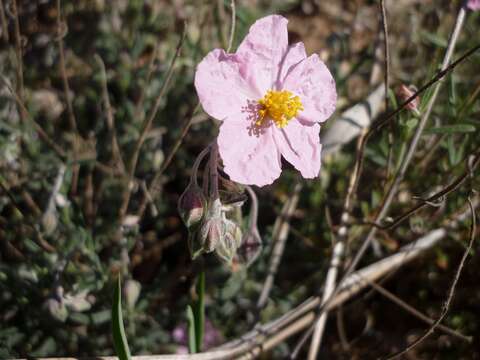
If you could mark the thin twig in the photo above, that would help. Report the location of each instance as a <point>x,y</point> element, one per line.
<point>41,133</point>
<point>232,26</point>
<point>154,187</point>
<point>327,292</point>
<point>451,291</point>
<point>19,57</point>
<point>419,315</point>
<point>139,109</point>
<point>279,245</point>
<point>62,30</point>
<point>335,261</point>
<point>252,220</point>
<point>147,124</point>
<point>455,184</point>
<point>386,75</point>
<point>38,238</point>
<point>116,153</point>
<point>3,20</point>
<point>213,172</point>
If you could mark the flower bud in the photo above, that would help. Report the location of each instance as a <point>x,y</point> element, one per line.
<point>211,233</point>
<point>213,227</point>
<point>227,247</point>
<point>404,93</point>
<point>191,205</point>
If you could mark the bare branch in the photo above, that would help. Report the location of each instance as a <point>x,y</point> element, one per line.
<point>451,292</point>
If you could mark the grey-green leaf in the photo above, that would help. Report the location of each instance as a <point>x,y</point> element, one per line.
<point>119,337</point>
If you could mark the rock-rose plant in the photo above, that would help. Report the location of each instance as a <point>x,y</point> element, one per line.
<point>270,97</point>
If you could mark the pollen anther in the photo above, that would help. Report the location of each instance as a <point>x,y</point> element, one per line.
<point>279,106</point>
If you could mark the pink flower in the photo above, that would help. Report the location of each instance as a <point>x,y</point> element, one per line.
<point>473,4</point>
<point>270,97</point>
<point>404,93</point>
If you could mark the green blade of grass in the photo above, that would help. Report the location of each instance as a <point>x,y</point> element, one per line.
<point>450,129</point>
<point>119,337</point>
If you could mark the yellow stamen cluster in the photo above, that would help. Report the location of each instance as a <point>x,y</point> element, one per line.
<point>279,106</point>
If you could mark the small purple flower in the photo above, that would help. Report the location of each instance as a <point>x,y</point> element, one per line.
<point>211,338</point>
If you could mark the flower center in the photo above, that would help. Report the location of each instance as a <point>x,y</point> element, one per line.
<point>279,106</point>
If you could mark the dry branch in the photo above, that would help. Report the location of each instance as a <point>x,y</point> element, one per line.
<point>267,336</point>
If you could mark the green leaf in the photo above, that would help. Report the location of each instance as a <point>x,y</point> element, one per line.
<point>452,152</point>
<point>119,337</point>
<point>192,340</point>
<point>451,129</point>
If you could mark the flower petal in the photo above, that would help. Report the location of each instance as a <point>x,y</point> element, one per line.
<point>295,54</point>
<point>473,5</point>
<point>248,158</point>
<point>313,82</point>
<point>300,146</point>
<point>264,49</point>
<point>220,86</point>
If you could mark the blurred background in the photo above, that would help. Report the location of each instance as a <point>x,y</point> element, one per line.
<point>72,217</point>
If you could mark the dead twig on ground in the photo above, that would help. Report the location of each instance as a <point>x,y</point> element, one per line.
<point>267,336</point>
<point>335,261</point>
